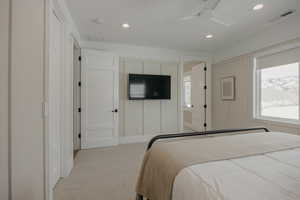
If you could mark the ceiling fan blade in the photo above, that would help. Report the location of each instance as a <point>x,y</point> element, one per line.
<point>188,17</point>
<point>196,15</point>
<point>214,4</point>
<point>218,21</point>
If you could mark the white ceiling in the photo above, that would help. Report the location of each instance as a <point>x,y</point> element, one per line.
<point>156,23</point>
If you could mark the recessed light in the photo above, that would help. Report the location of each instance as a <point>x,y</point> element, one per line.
<point>209,36</point>
<point>258,6</point>
<point>125,25</point>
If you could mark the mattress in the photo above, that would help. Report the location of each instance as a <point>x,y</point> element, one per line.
<point>271,176</point>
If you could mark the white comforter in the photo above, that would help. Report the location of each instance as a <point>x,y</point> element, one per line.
<point>273,176</point>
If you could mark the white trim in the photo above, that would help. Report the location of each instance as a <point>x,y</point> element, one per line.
<point>276,123</point>
<point>188,125</point>
<point>277,119</point>
<point>135,139</point>
<point>103,143</point>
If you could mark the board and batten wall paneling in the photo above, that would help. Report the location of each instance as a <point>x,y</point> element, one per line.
<point>145,118</point>
<point>133,110</point>
<point>4,74</point>
<point>239,113</point>
<point>169,108</point>
<point>122,96</point>
<point>152,119</point>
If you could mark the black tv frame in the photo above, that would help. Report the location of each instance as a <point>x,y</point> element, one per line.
<point>149,75</point>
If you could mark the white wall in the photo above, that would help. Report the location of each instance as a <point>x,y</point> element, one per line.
<point>141,119</point>
<point>239,113</point>
<point>158,55</point>
<point>273,35</point>
<point>4,74</point>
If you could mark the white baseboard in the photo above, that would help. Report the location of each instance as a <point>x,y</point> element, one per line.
<point>135,139</point>
<point>127,140</point>
<point>140,138</point>
<point>106,142</point>
<point>188,125</point>
<point>68,166</point>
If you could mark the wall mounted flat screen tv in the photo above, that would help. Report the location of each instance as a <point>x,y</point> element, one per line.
<point>144,86</point>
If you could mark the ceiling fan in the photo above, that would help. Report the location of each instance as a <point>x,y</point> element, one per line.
<point>207,11</point>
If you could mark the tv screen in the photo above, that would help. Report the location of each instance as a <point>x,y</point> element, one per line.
<point>142,86</point>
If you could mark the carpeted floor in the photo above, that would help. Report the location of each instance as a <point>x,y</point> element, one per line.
<point>103,174</point>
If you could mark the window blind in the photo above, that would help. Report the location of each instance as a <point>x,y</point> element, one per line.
<point>277,59</point>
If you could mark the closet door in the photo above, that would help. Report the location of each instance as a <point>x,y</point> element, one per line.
<point>100,99</point>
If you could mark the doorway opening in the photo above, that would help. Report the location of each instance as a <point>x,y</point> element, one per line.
<point>194,96</point>
<point>76,98</point>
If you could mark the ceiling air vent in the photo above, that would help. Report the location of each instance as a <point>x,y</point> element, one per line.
<point>282,16</point>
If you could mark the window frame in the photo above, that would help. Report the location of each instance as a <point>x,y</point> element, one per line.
<point>257,89</point>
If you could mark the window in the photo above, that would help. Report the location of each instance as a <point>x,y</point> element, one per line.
<point>187,87</point>
<point>277,86</point>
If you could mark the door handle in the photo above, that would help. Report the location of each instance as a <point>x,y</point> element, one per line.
<point>115,111</point>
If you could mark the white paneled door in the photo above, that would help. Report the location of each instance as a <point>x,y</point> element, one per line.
<point>198,97</point>
<point>100,100</point>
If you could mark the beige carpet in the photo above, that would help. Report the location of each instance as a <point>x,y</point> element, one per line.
<point>103,174</point>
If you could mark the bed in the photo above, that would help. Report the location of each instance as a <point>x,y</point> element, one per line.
<point>253,164</point>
